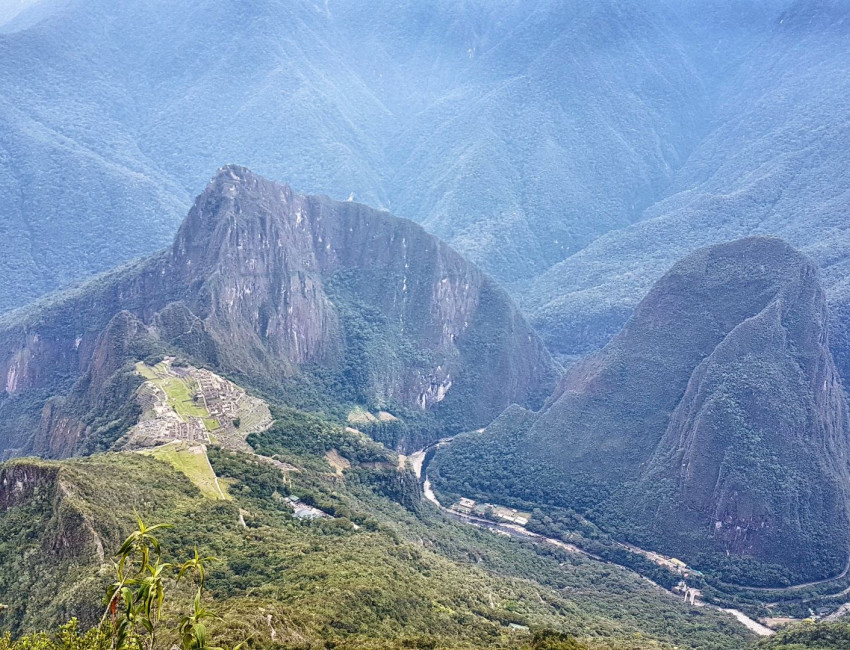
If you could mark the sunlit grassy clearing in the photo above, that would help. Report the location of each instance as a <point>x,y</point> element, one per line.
<point>192,462</point>
<point>178,391</point>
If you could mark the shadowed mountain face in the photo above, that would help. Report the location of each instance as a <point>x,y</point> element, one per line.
<point>288,291</point>
<point>517,130</point>
<point>713,423</point>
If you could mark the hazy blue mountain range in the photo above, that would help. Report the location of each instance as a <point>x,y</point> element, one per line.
<point>517,131</point>
<point>775,163</point>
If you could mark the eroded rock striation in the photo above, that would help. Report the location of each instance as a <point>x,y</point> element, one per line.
<point>285,290</point>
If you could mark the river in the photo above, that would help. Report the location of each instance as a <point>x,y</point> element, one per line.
<point>419,460</point>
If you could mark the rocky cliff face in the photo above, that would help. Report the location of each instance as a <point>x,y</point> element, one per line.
<point>44,489</point>
<point>272,285</point>
<point>713,423</point>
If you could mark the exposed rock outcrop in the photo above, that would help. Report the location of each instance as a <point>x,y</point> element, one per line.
<point>270,284</point>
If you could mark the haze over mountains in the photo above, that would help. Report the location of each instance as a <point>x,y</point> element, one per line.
<point>774,162</point>
<point>574,272</point>
<point>518,131</point>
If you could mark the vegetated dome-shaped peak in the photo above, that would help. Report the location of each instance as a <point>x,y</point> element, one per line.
<point>747,261</point>
<point>770,251</point>
<point>689,311</point>
<point>716,288</point>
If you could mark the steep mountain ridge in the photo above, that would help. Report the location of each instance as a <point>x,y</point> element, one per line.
<point>715,422</point>
<point>279,287</point>
<point>69,533</point>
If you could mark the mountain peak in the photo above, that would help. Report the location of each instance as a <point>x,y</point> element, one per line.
<point>233,172</point>
<point>231,181</point>
<point>272,284</point>
<point>232,178</point>
<point>233,200</point>
<point>720,388</point>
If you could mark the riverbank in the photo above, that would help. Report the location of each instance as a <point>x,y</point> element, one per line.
<point>420,467</point>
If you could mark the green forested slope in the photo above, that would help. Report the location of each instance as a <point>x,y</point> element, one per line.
<point>712,427</point>
<point>377,574</point>
<point>810,636</point>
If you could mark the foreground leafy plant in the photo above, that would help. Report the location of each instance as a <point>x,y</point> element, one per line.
<point>135,599</point>
<point>134,603</point>
<point>193,632</point>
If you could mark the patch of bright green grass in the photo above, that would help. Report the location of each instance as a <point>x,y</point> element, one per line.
<point>193,462</point>
<point>178,391</point>
<point>146,371</point>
